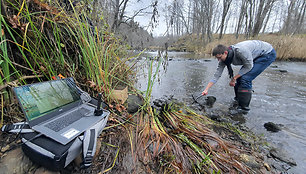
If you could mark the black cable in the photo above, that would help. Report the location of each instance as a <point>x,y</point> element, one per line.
<point>36,136</point>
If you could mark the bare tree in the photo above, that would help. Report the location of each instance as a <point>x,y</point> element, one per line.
<point>295,20</point>
<point>226,7</point>
<point>300,18</point>
<point>262,10</point>
<point>249,18</point>
<point>119,10</point>
<point>242,15</point>
<point>202,18</point>
<point>267,20</point>
<point>209,15</point>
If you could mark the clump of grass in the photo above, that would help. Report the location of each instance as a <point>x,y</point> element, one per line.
<point>179,142</point>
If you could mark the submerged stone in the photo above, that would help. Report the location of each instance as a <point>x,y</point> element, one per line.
<point>283,71</point>
<point>272,127</point>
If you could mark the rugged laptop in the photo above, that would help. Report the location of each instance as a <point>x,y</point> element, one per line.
<point>57,109</point>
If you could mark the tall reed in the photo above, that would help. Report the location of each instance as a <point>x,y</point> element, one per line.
<point>53,42</point>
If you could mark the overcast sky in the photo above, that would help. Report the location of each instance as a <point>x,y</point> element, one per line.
<point>161,27</point>
<point>145,18</point>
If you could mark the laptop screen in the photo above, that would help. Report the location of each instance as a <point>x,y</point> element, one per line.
<point>41,98</point>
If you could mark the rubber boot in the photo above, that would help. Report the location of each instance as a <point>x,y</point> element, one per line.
<point>244,98</point>
<point>236,92</point>
<point>234,104</point>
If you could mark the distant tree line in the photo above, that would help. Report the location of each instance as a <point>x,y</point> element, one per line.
<point>247,17</point>
<point>201,17</point>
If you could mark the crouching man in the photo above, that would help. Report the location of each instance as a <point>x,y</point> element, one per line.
<point>254,56</point>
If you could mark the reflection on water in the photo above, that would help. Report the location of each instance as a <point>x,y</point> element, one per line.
<point>279,97</point>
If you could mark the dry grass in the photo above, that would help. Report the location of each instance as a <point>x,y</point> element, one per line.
<point>287,47</point>
<point>175,142</point>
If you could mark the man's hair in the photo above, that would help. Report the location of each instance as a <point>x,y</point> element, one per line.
<point>219,49</point>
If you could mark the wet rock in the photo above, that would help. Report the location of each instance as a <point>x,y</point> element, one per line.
<point>215,117</point>
<point>281,167</point>
<point>219,118</point>
<point>164,103</point>
<point>134,103</point>
<point>286,166</point>
<point>282,155</point>
<point>218,113</point>
<point>15,161</point>
<point>250,161</point>
<point>272,127</point>
<point>277,166</point>
<point>238,117</point>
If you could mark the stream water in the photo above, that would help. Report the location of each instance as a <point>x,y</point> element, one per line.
<point>279,95</point>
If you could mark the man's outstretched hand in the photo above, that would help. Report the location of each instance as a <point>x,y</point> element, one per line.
<point>205,92</point>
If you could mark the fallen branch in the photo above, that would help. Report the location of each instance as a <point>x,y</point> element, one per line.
<point>16,64</point>
<point>14,83</point>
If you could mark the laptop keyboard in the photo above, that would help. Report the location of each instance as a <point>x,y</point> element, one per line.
<point>67,120</point>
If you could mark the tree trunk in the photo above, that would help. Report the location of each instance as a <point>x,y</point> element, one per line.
<point>262,11</point>
<point>226,6</point>
<point>241,17</point>
<point>116,15</point>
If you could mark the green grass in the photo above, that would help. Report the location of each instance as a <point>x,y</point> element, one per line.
<point>64,43</point>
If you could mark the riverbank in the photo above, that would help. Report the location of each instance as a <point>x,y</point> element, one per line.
<point>118,152</point>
